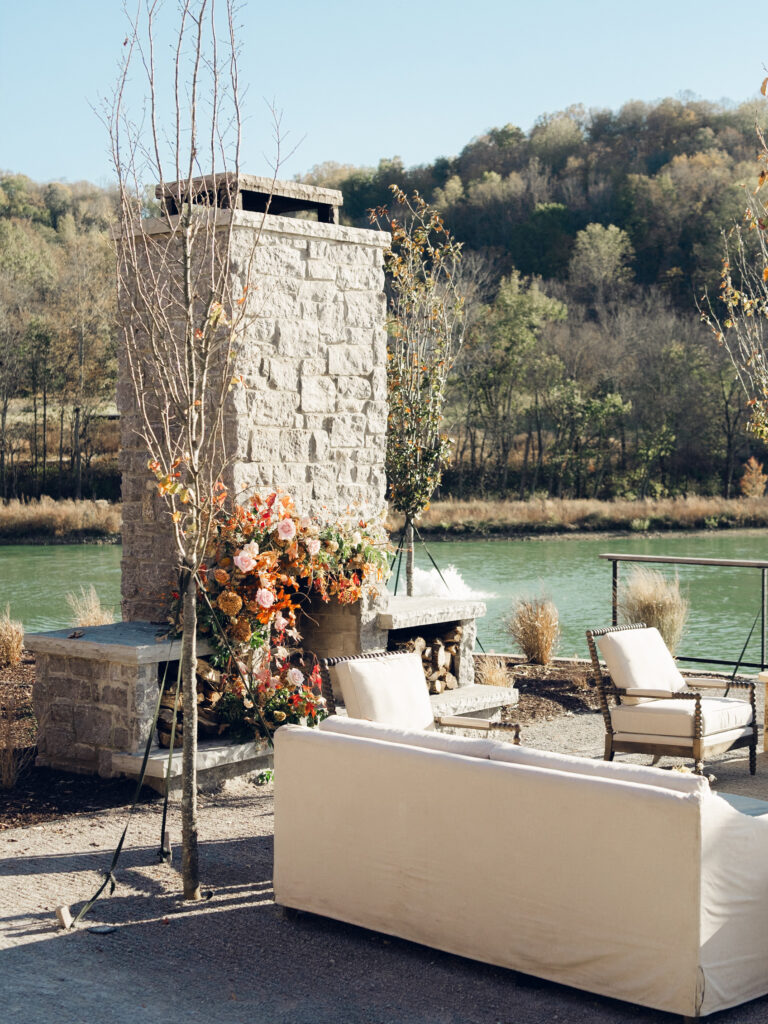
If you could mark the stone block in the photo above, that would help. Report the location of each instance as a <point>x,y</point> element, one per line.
<point>319,290</point>
<point>316,367</point>
<point>272,408</point>
<point>295,445</point>
<point>117,696</point>
<point>84,755</point>
<point>59,741</point>
<point>320,270</point>
<point>284,374</point>
<point>93,726</point>
<point>350,360</point>
<point>364,309</point>
<point>297,340</point>
<point>320,444</point>
<point>318,394</point>
<point>277,260</point>
<point>358,388</point>
<point>324,480</point>
<point>263,444</point>
<point>376,417</point>
<point>348,431</point>
<point>360,278</point>
<point>61,714</point>
<point>122,738</point>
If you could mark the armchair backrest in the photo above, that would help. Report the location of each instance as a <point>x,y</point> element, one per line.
<point>387,687</point>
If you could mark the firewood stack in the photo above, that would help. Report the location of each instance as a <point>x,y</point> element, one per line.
<point>438,658</point>
<point>209,690</point>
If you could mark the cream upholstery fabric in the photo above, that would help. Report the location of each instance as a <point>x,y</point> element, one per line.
<point>631,891</point>
<point>675,717</point>
<point>639,659</point>
<point>715,739</point>
<point>680,781</point>
<point>433,740</point>
<point>389,690</point>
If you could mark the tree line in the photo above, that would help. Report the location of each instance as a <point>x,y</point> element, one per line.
<point>587,241</point>
<point>585,370</point>
<point>58,433</point>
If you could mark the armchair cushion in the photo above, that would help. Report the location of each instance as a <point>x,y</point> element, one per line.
<point>638,659</point>
<point>389,690</point>
<point>676,717</point>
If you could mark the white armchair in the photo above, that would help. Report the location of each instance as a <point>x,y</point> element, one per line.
<point>649,708</point>
<point>390,688</point>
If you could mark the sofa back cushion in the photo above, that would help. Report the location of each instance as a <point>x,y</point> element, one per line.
<point>431,739</point>
<point>638,659</point>
<point>391,690</point>
<point>682,782</point>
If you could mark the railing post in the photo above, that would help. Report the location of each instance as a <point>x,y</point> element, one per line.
<point>763,595</point>
<point>615,596</point>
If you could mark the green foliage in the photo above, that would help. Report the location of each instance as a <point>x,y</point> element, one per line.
<point>425,329</point>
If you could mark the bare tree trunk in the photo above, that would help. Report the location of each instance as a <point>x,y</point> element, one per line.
<point>76,456</point>
<point>190,869</point>
<point>45,430</point>
<point>409,557</point>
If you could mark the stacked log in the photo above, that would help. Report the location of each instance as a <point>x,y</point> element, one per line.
<point>438,656</point>
<point>209,690</point>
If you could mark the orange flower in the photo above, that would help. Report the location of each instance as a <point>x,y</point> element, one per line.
<point>221,577</point>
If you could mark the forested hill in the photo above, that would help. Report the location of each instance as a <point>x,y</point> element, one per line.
<point>667,173</point>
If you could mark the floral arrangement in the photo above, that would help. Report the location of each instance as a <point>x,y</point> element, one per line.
<point>263,562</point>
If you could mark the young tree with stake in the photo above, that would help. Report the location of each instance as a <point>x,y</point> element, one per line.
<point>182,309</point>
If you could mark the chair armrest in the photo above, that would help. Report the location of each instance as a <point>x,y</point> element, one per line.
<point>700,683</point>
<point>460,722</point>
<point>655,694</point>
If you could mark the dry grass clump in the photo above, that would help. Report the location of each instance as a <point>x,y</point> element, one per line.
<point>11,639</point>
<point>534,626</point>
<point>491,670</point>
<point>87,610</point>
<point>49,518</point>
<point>650,597</point>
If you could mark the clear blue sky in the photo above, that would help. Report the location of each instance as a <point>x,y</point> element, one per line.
<point>360,80</point>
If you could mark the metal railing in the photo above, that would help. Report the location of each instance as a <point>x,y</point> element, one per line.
<point>730,563</point>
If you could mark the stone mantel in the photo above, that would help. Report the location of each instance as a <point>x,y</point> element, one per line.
<point>408,612</point>
<point>123,643</point>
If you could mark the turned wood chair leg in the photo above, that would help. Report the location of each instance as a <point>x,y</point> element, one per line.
<point>752,759</point>
<point>608,748</point>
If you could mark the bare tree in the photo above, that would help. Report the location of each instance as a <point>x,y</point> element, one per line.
<point>182,307</point>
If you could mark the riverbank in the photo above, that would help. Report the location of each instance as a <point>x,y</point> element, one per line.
<point>46,521</point>
<point>98,522</point>
<point>549,517</point>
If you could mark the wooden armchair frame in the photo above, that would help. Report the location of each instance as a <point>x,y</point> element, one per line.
<point>452,721</point>
<point>699,745</point>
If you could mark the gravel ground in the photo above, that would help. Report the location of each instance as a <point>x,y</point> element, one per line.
<point>237,959</point>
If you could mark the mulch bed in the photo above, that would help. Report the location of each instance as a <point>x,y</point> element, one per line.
<point>43,794</point>
<point>551,691</point>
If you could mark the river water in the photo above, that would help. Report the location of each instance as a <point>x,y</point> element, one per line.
<point>34,580</point>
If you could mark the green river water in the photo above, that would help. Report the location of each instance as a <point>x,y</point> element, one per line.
<point>34,580</point>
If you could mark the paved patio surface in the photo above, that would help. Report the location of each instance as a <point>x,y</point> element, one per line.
<point>236,959</point>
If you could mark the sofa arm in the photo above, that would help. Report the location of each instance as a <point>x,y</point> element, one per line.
<point>460,722</point>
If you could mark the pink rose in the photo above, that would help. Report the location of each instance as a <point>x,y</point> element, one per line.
<point>313,546</point>
<point>252,548</point>
<point>265,597</point>
<point>280,622</point>
<point>295,676</point>
<point>244,561</point>
<point>286,529</point>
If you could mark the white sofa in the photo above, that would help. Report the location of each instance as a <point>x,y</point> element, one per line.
<point>632,882</point>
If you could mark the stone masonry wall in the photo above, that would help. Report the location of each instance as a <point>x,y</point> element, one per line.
<point>88,708</point>
<point>310,415</point>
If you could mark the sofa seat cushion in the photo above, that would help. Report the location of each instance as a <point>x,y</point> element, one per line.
<point>430,739</point>
<point>676,717</point>
<point>645,776</point>
<point>391,690</point>
<point>638,659</point>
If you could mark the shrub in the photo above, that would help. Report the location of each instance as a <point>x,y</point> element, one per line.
<point>492,670</point>
<point>11,639</point>
<point>86,608</point>
<point>15,756</point>
<point>649,597</point>
<point>752,483</point>
<point>534,626</point>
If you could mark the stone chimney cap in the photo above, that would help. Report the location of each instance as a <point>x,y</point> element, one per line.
<point>251,193</point>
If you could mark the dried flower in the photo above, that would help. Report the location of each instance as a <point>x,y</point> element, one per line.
<point>229,602</point>
<point>221,577</point>
<point>241,631</point>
